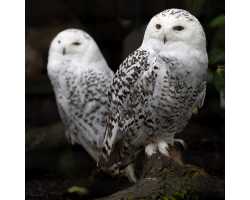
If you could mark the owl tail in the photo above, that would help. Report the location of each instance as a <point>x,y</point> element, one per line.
<point>129,172</point>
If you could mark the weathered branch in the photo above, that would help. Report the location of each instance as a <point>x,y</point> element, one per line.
<point>167,178</point>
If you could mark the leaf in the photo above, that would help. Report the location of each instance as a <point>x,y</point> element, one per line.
<point>195,111</point>
<point>210,76</point>
<point>78,189</point>
<point>217,21</point>
<point>215,55</point>
<point>219,81</point>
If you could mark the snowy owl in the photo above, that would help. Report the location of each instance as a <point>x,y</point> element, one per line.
<point>155,90</point>
<point>81,78</point>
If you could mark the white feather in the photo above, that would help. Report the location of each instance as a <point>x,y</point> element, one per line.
<point>81,79</point>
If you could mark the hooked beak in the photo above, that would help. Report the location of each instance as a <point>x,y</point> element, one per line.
<point>165,39</point>
<point>64,51</point>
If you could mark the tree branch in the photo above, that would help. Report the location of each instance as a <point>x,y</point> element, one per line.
<point>167,178</point>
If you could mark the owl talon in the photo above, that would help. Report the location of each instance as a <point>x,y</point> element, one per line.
<point>180,143</point>
<point>168,150</point>
<point>163,148</point>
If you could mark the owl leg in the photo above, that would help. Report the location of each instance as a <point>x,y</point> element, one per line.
<point>163,148</point>
<point>151,149</point>
<point>180,143</point>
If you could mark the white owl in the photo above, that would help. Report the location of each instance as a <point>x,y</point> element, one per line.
<point>81,78</point>
<point>155,90</point>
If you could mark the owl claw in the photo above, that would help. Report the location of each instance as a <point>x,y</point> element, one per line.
<point>180,143</point>
<point>168,150</point>
<point>163,148</point>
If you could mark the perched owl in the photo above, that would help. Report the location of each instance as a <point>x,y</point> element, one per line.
<point>81,78</point>
<point>155,90</point>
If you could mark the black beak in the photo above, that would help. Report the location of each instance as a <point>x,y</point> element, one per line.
<point>64,51</point>
<point>165,39</point>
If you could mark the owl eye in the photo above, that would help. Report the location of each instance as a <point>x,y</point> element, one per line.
<point>76,43</point>
<point>158,26</point>
<point>179,28</point>
<point>59,41</point>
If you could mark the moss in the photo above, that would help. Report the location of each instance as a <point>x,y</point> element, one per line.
<point>168,183</point>
<point>179,195</point>
<point>131,198</point>
<point>171,175</point>
<point>160,191</point>
<point>187,191</point>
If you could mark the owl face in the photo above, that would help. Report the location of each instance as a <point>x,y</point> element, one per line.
<point>175,26</point>
<point>70,42</point>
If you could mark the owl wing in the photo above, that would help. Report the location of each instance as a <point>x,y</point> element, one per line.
<point>130,92</point>
<point>199,93</point>
<point>93,105</point>
<point>83,106</point>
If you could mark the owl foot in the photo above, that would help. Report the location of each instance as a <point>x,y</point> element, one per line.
<point>180,143</point>
<point>151,149</point>
<point>162,146</point>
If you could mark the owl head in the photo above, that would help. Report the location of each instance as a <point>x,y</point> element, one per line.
<point>70,42</point>
<point>174,28</point>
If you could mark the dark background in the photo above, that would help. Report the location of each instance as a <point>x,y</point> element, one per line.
<point>118,27</point>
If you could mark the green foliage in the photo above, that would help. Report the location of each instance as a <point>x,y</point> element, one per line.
<point>219,81</point>
<point>78,189</point>
<point>210,76</point>
<point>217,21</point>
<point>193,6</point>
<point>215,55</point>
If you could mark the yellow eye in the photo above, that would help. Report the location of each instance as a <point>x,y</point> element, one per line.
<point>158,26</point>
<point>179,28</point>
<point>76,43</point>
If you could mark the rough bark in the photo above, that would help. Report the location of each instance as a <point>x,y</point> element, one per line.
<point>168,179</point>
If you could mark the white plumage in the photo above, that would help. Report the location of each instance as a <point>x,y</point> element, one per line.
<point>81,78</point>
<point>155,90</point>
